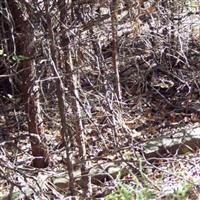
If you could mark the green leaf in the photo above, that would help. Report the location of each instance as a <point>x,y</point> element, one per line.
<point>1,52</point>
<point>18,58</point>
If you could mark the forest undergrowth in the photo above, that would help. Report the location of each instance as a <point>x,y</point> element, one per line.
<point>128,89</point>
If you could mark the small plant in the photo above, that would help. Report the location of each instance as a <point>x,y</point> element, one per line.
<point>144,194</point>
<point>140,191</point>
<point>182,193</point>
<point>124,192</point>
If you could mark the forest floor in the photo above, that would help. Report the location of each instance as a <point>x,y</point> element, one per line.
<point>125,170</point>
<point>152,152</point>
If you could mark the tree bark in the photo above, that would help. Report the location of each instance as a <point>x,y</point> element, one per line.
<point>73,98</point>
<point>60,93</point>
<point>27,76</point>
<point>115,57</point>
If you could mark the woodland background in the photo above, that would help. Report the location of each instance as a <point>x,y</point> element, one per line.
<point>99,99</point>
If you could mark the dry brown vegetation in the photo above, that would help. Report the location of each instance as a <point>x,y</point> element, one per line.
<point>99,99</point>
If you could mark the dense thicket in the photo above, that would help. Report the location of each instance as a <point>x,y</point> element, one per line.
<point>73,74</point>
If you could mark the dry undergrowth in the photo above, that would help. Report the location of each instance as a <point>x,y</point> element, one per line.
<point>160,89</point>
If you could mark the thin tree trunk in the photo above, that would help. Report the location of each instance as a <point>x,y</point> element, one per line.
<point>28,86</point>
<point>115,58</point>
<point>66,130</point>
<point>72,84</point>
<point>85,182</point>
